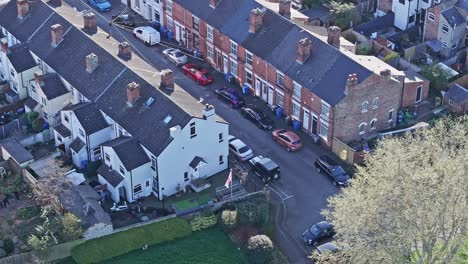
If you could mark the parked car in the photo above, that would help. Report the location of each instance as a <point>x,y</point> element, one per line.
<point>317,232</point>
<point>265,168</point>
<point>147,34</point>
<point>100,5</point>
<point>231,97</point>
<point>127,20</point>
<point>200,75</point>
<point>239,149</point>
<point>290,140</point>
<point>176,56</point>
<point>326,165</point>
<point>257,117</point>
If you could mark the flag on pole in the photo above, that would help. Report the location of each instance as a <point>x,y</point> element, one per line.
<point>229,180</point>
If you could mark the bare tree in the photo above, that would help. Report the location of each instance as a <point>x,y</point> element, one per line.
<point>408,204</point>
<point>50,187</point>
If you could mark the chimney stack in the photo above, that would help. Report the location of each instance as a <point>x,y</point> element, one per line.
<point>334,34</point>
<point>125,51</point>
<point>133,92</point>
<point>4,45</point>
<point>256,19</point>
<point>351,81</point>
<point>285,8</point>
<point>386,73</point>
<point>208,112</point>
<point>175,131</point>
<point>89,22</point>
<point>213,3</point>
<point>92,62</point>
<point>23,8</point>
<point>303,50</point>
<point>38,78</point>
<point>56,32</point>
<point>167,79</point>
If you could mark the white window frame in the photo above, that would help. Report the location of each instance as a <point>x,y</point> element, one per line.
<point>444,44</point>
<point>278,102</point>
<point>197,20</point>
<point>391,111</point>
<point>233,65</point>
<point>81,132</point>
<point>297,90</point>
<point>451,102</point>
<point>375,103</point>
<point>325,124</point>
<point>364,124</point>
<point>141,189</point>
<point>169,6</point>
<point>170,22</point>
<point>298,109</point>
<point>454,45</point>
<point>325,105</point>
<point>373,124</point>
<point>430,16</point>
<point>247,60</point>
<point>221,159</point>
<point>209,33</point>
<point>280,76</point>
<point>248,71</point>
<point>233,49</point>
<point>210,55</point>
<point>364,107</point>
<point>442,28</point>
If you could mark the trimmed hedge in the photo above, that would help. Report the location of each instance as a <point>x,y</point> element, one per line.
<point>106,247</point>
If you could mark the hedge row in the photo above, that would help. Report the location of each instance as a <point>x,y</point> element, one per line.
<point>103,248</point>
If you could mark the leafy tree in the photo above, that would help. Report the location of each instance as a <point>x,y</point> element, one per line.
<point>437,76</point>
<point>31,116</point>
<point>8,245</point>
<point>254,212</point>
<point>312,3</point>
<point>47,234</point>
<point>344,15</point>
<point>260,249</point>
<point>71,227</point>
<point>408,203</point>
<point>38,124</point>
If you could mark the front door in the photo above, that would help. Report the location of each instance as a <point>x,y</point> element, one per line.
<point>122,193</point>
<point>314,125</point>
<point>258,87</point>
<point>305,120</point>
<point>219,59</point>
<point>264,92</point>
<point>418,94</point>
<point>225,64</point>
<point>270,95</point>
<point>150,13</point>
<point>177,32</point>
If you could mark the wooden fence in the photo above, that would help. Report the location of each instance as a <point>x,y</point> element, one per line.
<point>343,151</point>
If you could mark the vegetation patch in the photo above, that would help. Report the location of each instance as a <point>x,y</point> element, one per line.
<point>28,212</point>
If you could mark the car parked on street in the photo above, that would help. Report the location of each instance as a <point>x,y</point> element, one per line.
<point>317,232</point>
<point>326,165</point>
<point>176,56</point>
<point>239,149</point>
<point>200,75</point>
<point>231,97</point>
<point>257,117</point>
<point>265,168</point>
<point>100,5</point>
<point>147,34</point>
<point>127,20</point>
<point>290,140</point>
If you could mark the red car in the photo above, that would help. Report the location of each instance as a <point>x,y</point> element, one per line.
<point>287,138</point>
<point>200,75</point>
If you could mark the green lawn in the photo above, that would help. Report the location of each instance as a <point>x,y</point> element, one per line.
<point>192,202</point>
<point>205,247</point>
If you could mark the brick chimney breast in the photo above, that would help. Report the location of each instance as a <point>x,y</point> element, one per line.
<point>89,22</point>
<point>333,36</point>
<point>133,92</point>
<point>125,51</point>
<point>256,19</point>
<point>167,79</point>
<point>213,3</point>
<point>56,32</point>
<point>92,62</point>
<point>303,50</point>
<point>38,78</point>
<point>4,45</point>
<point>23,8</point>
<point>285,8</point>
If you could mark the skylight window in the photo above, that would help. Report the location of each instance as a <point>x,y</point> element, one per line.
<point>167,119</point>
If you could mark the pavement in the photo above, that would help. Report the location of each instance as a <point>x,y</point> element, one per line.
<point>299,195</point>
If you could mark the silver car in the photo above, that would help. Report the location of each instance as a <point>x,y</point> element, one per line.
<point>240,150</point>
<point>176,56</point>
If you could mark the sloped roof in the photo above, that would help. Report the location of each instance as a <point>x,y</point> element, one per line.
<point>457,93</point>
<point>376,25</point>
<point>62,130</point>
<point>462,4</point>
<point>20,57</point>
<point>194,163</point>
<point>110,175</point>
<point>16,150</point>
<point>77,144</point>
<point>325,71</point>
<point>318,12</point>
<point>129,151</point>
<point>89,117</point>
<point>453,17</point>
<point>53,87</point>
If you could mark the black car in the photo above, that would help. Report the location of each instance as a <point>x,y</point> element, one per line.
<point>127,20</point>
<point>257,117</point>
<point>265,168</point>
<point>231,97</point>
<point>329,167</point>
<point>317,232</point>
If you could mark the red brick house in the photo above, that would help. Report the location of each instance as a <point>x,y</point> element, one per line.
<point>456,99</point>
<point>333,93</point>
<point>415,89</point>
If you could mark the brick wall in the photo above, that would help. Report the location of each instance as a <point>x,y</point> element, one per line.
<point>431,27</point>
<point>410,90</point>
<point>456,108</point>
<point>349,115</point>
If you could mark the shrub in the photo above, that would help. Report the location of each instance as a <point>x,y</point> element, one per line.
<point>106,247</point>
<point>29,212</point>
<point>71,227</point>
<point>8,245</point>
<point>390,57</point>
<point>254,212</point>
<point>202,222</point>
<point>37,124</point>
<point>2,253</point>
<point>31,116</point>
<point>229,218</point>
<point>260,249</point>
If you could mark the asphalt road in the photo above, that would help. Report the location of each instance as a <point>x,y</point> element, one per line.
<point>300,194</point>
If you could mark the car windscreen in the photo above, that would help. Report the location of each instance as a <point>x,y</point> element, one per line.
<point>314,230</point>
<point>338,171</point>
<point>178,54</point>
<point>297,142</point>
<point>101,1</point>
<point>244,149</point>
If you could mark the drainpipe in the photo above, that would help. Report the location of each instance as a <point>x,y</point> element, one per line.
<point>451,38</point>
<point>131,185</point>
<point>408,16</point>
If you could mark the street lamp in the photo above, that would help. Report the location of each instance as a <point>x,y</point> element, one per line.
<point>162,192</point>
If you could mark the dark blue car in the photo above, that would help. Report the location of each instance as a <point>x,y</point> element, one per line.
<point>100,5</point>
<point>231,97</point>
<point>317,232</point>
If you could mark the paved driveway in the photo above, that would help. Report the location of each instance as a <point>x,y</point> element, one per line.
<point>301,193</point>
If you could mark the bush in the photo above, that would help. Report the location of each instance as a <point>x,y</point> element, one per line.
<point>100,249</point>
<point>202,222</point>
<point>29,212</point>
<point>8,245</point>
<point>71,227</point>
<point>254,212</point>
<point>390,57</point>
<point>37,124</point>
<point>2,253</point>
<point>260,249</point>
<point>31,116</point>
<point>229,218</point>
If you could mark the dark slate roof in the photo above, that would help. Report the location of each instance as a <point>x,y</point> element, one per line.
<point>144,123</point>
<point>62,130</point>
<point>89,117</point>
<point>129,151</point>
<point>77,144</point>
<point>110,175</point>
<point>453,17</point>
<point>194,163</point>
<point>31,103</point>
<point>53,87</point>
<point>325,71</point>
<point>462,4</point>
<point>20,57</point>
<point>318,12</point>
<point>457,93</point>
<point>16,150</point>
<point>378,24</point>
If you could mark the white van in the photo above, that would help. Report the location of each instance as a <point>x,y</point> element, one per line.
<point>148,35</point>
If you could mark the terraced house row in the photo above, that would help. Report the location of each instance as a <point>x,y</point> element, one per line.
<point>334,93</point>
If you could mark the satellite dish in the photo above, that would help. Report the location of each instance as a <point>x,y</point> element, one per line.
<point>374,35</point>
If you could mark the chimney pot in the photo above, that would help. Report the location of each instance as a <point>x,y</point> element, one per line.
<point>133,92</point>
<point>213,3</point>
<point>89,22</point>
<point>333,36</point>
<point>125,51</point>
<point>209,112</point>
<point>38,78</point>
<point>174,131</point>
<point>4,45</point>
<point>285,8</point>
<point>303,50</point>
<point>92,62</point>
<point>167,79</point>
<point>56,32</point>
<point>256,19</point>
<point>23,8</point>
